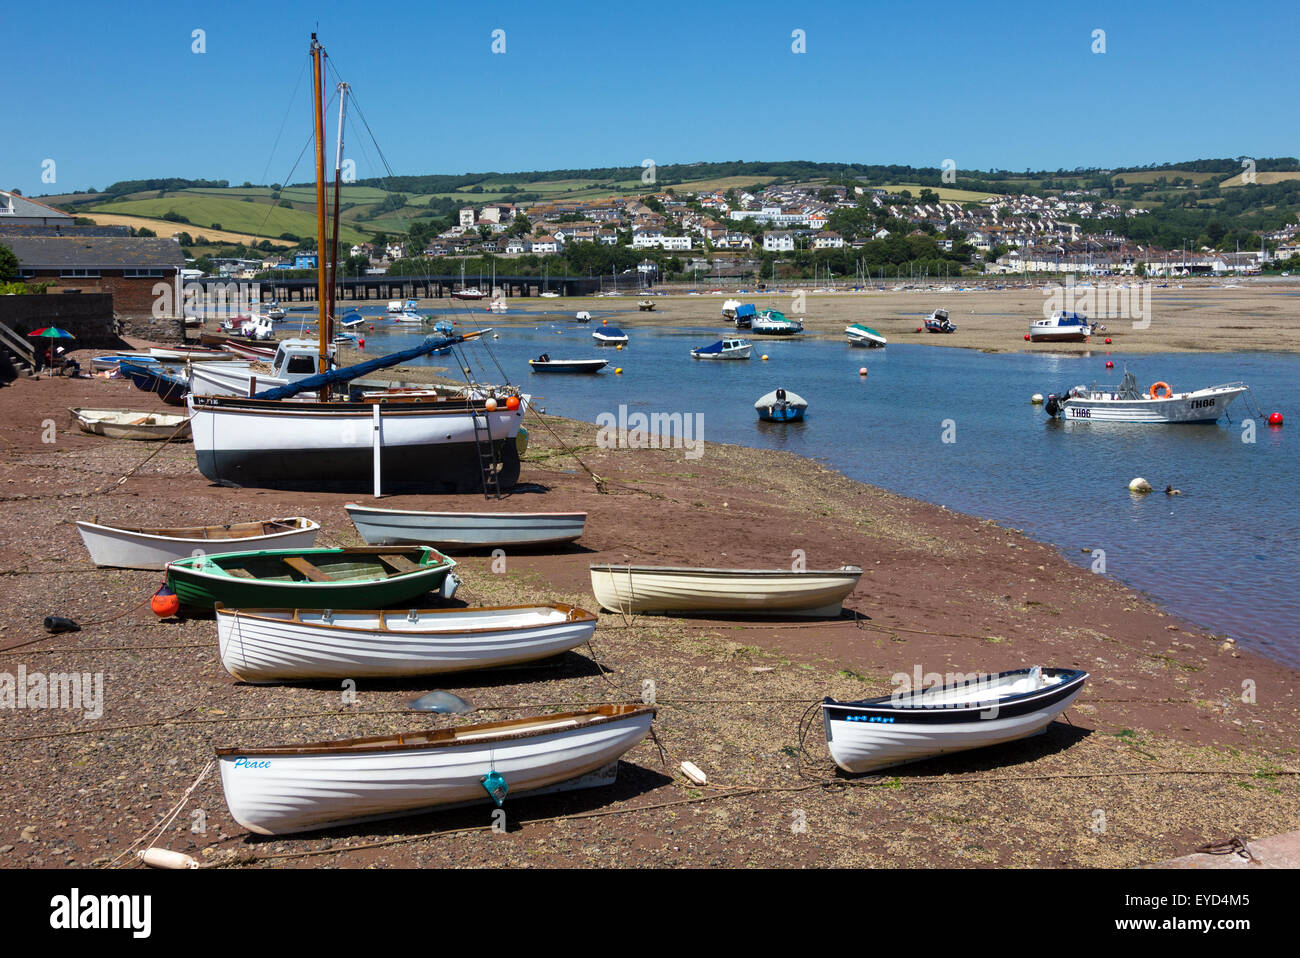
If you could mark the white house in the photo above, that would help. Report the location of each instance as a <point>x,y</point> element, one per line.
<point>467,217</point>
<point>828,240</point>
<point>546,244</point>
<point>779,242</point>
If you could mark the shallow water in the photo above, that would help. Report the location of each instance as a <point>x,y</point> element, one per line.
<point>1223,554</point>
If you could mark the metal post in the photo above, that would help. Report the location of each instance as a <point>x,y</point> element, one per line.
<point>377,442</point>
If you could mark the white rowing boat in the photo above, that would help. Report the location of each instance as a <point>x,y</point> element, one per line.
<point>131,424</point>
<point>283,789</point>
<point>466,530</point>
<point>686,591</point>
<point>135,547</point>
<point>290,645</point>
<point>970,712</point>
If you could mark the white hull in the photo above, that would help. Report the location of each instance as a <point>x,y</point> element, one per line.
<point>284,645</point>
<point>190,355</point>
<point>742,353</point>
<point>638,589</point>
<point>873,743</point>
<point>300,792</point>
<point>424,443</point>
<point>1203,405</point>
<point>130,549</point>
<point>465,529</point>
<point>233,379</point>
<point>128,424</point>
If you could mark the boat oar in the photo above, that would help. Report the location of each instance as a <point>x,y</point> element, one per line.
<point>439,701</point>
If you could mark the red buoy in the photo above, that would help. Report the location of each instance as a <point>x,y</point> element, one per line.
<point>1275,419</point>
<point>165,603</point>
<point>361,344</point>
<point>1107,340</point>
<point>1026,337</point>
<point>918,329</point>
<point>1109,364</point>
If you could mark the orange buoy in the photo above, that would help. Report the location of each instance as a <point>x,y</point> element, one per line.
<point>512,402</point>
<point>165,603</point>
<point>1161,390</point>
<point>1275,419</point>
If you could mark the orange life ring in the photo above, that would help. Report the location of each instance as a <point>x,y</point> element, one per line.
<point>1155,391</point>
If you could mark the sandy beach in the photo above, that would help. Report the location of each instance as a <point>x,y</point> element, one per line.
<point>1198,317</point>
<point>1164,751</point>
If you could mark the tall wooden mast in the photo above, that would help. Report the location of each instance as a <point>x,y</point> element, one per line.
<point>322,307</point>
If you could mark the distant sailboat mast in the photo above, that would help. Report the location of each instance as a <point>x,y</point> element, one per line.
<point>338,179</point>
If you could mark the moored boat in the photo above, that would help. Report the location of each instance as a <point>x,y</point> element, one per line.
<point>149,547</point>
<point>675,590</point>
<point>1126,403</point>
<point>780,405</point>
<point>860,335</point>
<point>278,790</point>
<point>1061,327</point>
<point>291,645</point>
<point>545,364</point>
<point>914,725</point>
<point>724,349</point>
<point>609,336</point>
<point>938,322</point>
<point>167,380</point>
<point>745,314</point>
<point>131,424</point>
<point>465,530</point>
<point>771,322</point>
<point>353,578</point>
<point>645,305</point>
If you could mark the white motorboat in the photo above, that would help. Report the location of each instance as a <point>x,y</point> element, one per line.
<point>582,316</point>
<point>865,336</point>
<point>465,530</point>
<point>294,360</point>
<point>131,424</point>
<point>136,547</point>
<point>938,322</point>
<point>1126,403</point>
<point>781,405</point>
<point>278,790</point>
<point>609,336</point>
<point>688,591</point>
<point>771,322</point>
<point>294,645</point>
<point>1061,327</point>
<point>395,306</point>
<point>729,308</point>
<point>724,349</point>
<point>969,712</point>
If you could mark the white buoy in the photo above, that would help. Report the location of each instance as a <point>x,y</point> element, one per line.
<point>166,858</point>
<point>1036,399</point>
<point>1139,485</point>
<point>491,404</point>
<point>691,771</point>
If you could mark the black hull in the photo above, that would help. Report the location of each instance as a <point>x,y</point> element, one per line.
<point>444,467</point>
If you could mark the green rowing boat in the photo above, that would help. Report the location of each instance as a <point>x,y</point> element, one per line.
<point>357,578</point>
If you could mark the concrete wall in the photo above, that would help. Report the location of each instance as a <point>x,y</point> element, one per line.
<point>88,316</point>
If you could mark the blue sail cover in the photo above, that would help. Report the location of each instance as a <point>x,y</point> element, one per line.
<point>313,383</point>
<point>745,310</point>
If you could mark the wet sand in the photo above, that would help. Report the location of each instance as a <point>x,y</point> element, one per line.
<point>1159,756</point>
<point>1262,315</point>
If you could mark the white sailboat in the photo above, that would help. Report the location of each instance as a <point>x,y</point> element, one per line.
<point>272,440</point>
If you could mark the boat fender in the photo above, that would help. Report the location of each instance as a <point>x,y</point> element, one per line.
<point>450,585</point>
<point>692,772</point>
<point>166,858</point>
<point>494,783</point>
<point>165,603</point>
<point>1161,390</point>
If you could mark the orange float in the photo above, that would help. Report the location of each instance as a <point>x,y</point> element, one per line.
<point>1156,391</point>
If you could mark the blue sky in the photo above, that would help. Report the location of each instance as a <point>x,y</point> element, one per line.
<point>115,92</point>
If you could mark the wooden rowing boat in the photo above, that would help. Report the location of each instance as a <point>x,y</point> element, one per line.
<point>465,530</point>
<point>149,547</point>
<point>132,424</point>
<point>359,578</point>
<point>284,789</point>
<point>288,645</point>
<point>971,712</point>
<point>687,591</point>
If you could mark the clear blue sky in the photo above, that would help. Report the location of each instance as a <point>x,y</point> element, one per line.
<point>113,92</point>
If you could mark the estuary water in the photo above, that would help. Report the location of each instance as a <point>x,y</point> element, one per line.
<point>956,427</point>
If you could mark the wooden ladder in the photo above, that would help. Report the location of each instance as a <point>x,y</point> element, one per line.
<point>489,465</point>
